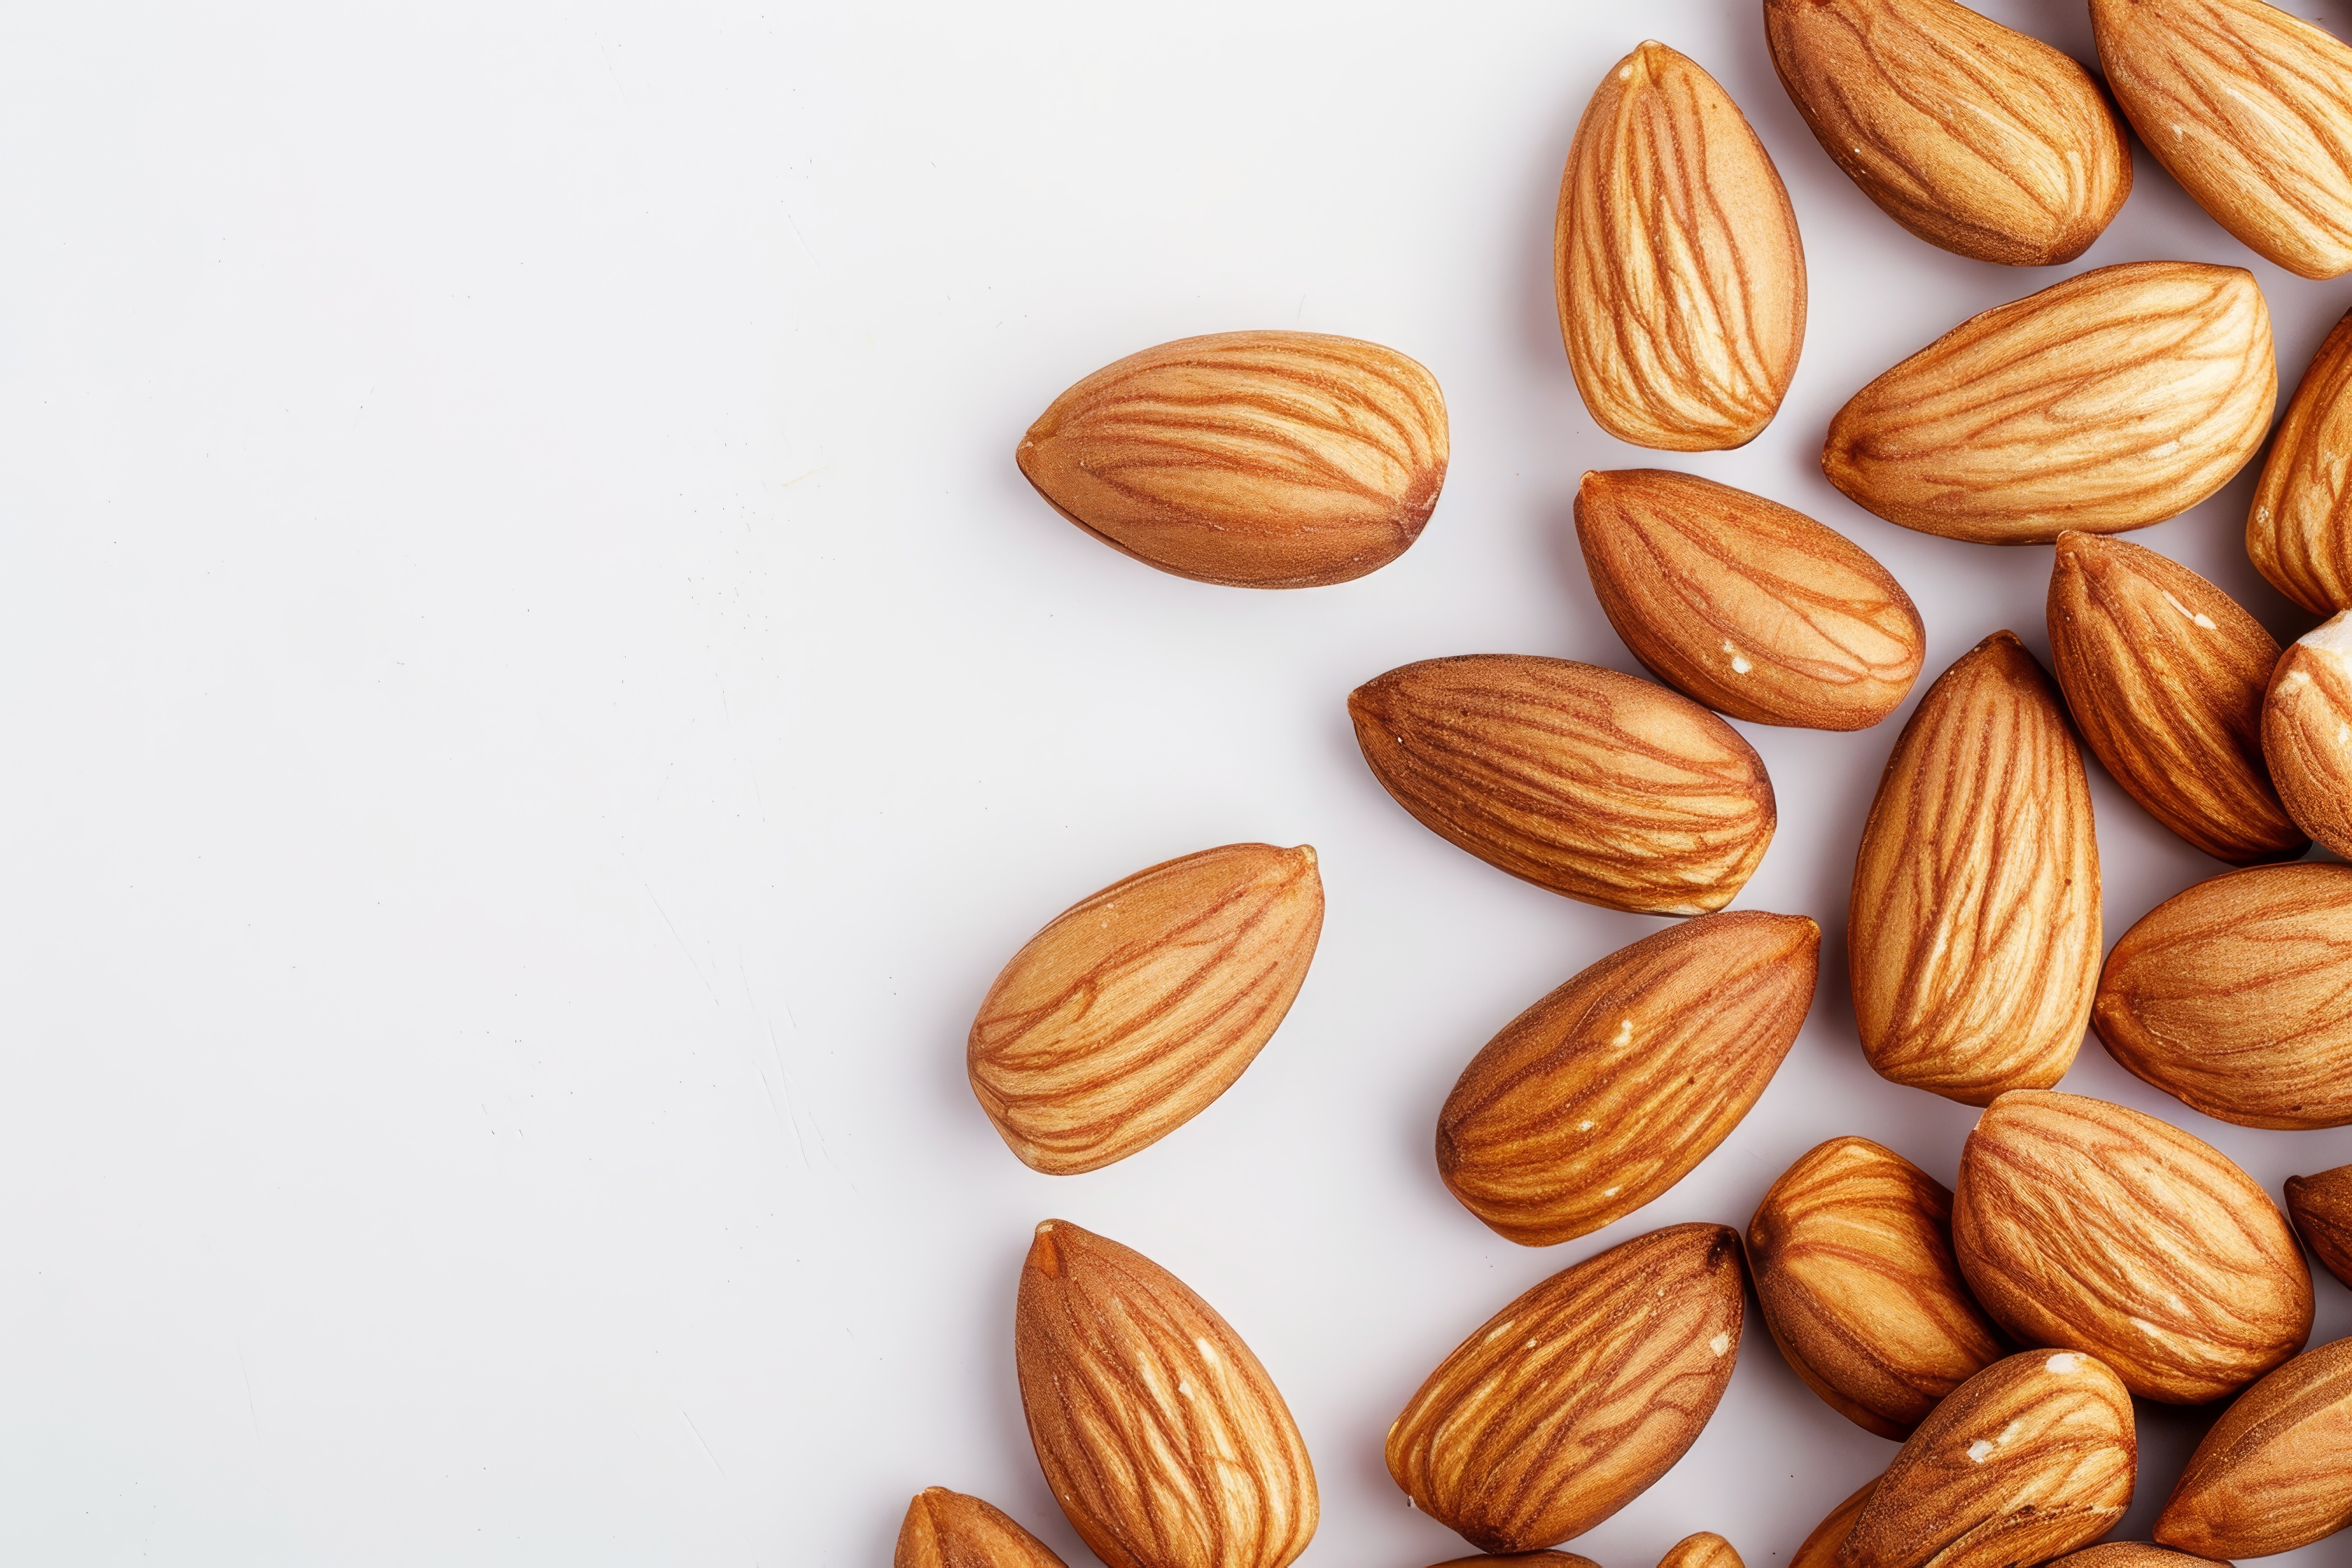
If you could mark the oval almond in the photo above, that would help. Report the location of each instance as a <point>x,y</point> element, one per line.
<point>2299,529</point>
<point>1704,1549</point>
<point>949,1530</point>
<point>2308,732</point>
<point>2275,1472</point>
<point>2321,1207</point>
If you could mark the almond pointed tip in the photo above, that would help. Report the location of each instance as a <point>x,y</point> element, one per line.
<point>1046,1250</point>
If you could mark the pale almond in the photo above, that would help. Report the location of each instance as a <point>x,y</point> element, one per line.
<point>2308,732</point>
<point>2299,529</point>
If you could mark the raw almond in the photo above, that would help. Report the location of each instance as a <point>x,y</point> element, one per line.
<point>2165,674</point>
<point>2321,1207</point>
<point>1852,1254</point>
<point>2275,1472</point>
<point>1821,1548</point>
<point>1594,785</point>
<point>949,1530</point>
<point>1570,1402</point>
<point>1680,275</point>
<point>1257,460</point>
<point>2299,530</point>
<point>2085,1225</point>
<point>2129,1554</point>
<point>1973,932</point>
<point>1612,1088</point>
<point>1975,138</point>
<point>1704,1549</point>
<point>1163,1437</point>
<point>1754,609</point>
<point>2111,401</point>
<point>2231,996</point>
<point>2030,1458</point>
<point>2250,109</point>
<point>1521,1560</point>
<point>2308,732</point>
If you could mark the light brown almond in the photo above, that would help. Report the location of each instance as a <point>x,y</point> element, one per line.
<point>2321,1207</point>
<point>1704,1549</point>
<point>2131,1554</point>
<point>949,1530</point>
<point>2299,530</point>
<point>1821,1548</point>
<point>2275,1472</point>
<point>2308,732</point>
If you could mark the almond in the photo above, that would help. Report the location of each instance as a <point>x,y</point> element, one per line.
<point>2081,1223</point>
<point>2250,109</point>
<point>2308,732</point>
<point>1521,1560</point>
<point>1680,275</point>
<point>1163,1437</point>
<point>1704,1549</point>
<point>2299,530</point>
<point>2165,674</point>
<point>2321,1207</point>
<point>1123,1018</point>
<point>1973,932</point>
<point>949,1530</point>
<point>2111,401</point>
<point>1257,460</point>
<point>1612,1088</point>
<point>1821,1548</point>
<point>1754,609</point>
<point>2030,1458</point>
<point>2231,996</point>
<point>2129,1554</point>
<point>1975,138</point>
<point>1594,785</point>
<point>1852,1253</point>
<point>1570,1402</point>
<point>2275,1472</point>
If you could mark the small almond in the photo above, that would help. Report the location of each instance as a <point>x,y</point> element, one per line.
<point>2321,1207</point>
<point>949,1530</point>
<point>2308,732</point>
<point>1704,1549</point>
<point>2299,530</point>
<point>1821,1548</point>
<point>2275,1472</point>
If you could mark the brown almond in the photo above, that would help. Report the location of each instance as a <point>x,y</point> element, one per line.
<point>1570,1402</point>
<point>1255,459</point>
<point>1975,138</point>
<point>1754,609</point>
<point>1521,1560</point>
<point>2275,1472</point>
<point>2299,530</point>
<point>2165,674</point>
<point>2308,732</point>
<point>1973,932</point>
<point>1704,1549</point>
<point>2321,1207</point>
<point>2114,400</point>
<point>949,1530</point>
<point>1821,1548</point>
<point>1161,1435</point>
<point>2231,996</point>
<point>2131,1555</point>
<point>1852,1254</point>
<point>2082,1224</point>
<point>1680,275</point>
<point>1597,786</point>
<point>1615,1086</point>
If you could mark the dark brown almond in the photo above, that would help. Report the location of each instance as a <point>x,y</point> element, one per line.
<point>949,1530</point>
<point>1704,1549</point>
<point>2275,1472</point>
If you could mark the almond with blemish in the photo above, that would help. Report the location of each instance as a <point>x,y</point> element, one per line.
<point>2308,732</point>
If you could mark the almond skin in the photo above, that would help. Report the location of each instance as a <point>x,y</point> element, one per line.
<point>2079,1223</point>
<point>1570,1402</point>
<point>2130,1554</point>
<point>1973,932</point>
<point>2308,732</point>
<point>2231,996</point>
<point>1852,1254</point>
<point>1163,1437</point>
<point>1977,138</point>
<point>2321,1207</point>
<point>1754,609</point>
<point>1821,1548</point>
<point>1134,1008</point>
<point>2250,109</point>
<point>2030,1458</point>
<point>2275,1472</point>
<point>2111,401</point>
<point>949,1530</point>
<point>1521,1560</point>
<point>1704,1549</point>
<point>1255,459</point>
<point>2164,673</point>
<point>1600,786</point>
<point>1680,276</point>
<point>1614,1086</point>
<point>2299,530</point>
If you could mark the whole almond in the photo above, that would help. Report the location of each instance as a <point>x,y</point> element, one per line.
<point>2231,996</point>
<point>1704,1549</point>
<point>2079,1223</point>
<point>1754,609</point>
<point>1680,276</point>
<point>949,1530</point>
<point>2028,1460</point>
<point>1973,930</point>
<point>1570,1402</point>
<point>1821,1548</point>
<point>2111,401</point>
<point>1975,138</point>
<point>2308,732</point>
<point>1521,1560</point>
<point>2275,1472</point>
<point>2130,1554</point>
<point>1594,785</point>
<point>1134,1008</point>
<point>1852,1254</point>
<point>1255,459</point>
<point>2321,1207</point>
<point>2299,530</point>
<point>2165,674</point>
<point>1163,1437</point>
<point>2250,109</point>
<point>1614,1086</point>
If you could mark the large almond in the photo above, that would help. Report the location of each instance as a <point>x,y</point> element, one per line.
<point>2165,674</point>
<point>1594,785</point>
<point>1820,1548</point>
<point>1680,276</point>
<point>2275,1472</point>
<point>1257,460</point>
<point>1134,1008</point>
<point>2321,1207</point>
<point>949,1530</point>
<point>1163,1437</point>
<point>1612,1088</point>
<point>1570,1402</point>
<point>2299,529</point>
<point>2308,732</point>
<point>1973,137</point>
<point>1852,1253</point>
<point>1973,931</point>
<point>2232,995</point>
<point>2111,401</point>
<point>2082,1224</point>
<point>1754,609</point>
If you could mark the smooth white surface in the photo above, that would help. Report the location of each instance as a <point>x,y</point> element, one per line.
<point>536,701</point>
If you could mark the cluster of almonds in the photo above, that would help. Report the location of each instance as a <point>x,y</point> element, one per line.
<point>2089,1252</point>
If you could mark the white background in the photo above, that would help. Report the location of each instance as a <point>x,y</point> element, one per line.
<point>533,701</point>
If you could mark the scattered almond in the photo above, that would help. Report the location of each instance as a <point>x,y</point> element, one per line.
<point>2308,732</point>
<point>2321,1207</point>
<point>2275,1472</point>
<point>2299,530</point>
<point>1704,1549</point>
<point>2129,1554</point>
<point>949,1530</point>
<point>1521,1560</point>
<point>1821,1548</point>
